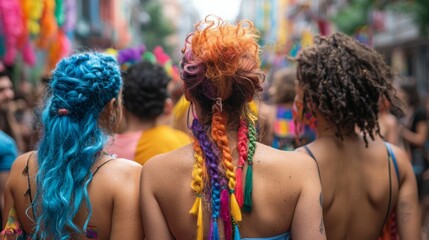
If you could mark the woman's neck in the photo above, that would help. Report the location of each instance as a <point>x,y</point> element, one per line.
<point>325,128</point>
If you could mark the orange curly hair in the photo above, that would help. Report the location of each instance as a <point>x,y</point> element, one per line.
<point>220,57</point>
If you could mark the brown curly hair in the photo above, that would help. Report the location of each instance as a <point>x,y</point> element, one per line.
<point>344,80</point>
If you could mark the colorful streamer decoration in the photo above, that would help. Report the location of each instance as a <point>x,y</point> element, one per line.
<point>13,28</point>
<point>32,11</point>
<point>48,25</point>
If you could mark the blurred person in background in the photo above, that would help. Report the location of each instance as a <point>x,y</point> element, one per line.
<point>278,126</point>
<point>414,127</point>
<point>69,188</point>
<point>425,183</point>
<point>413,132</point>
<point>8,121</point>
<point>388,123</point>
<point>8,148</point>
<point>26,101</point>
<point>240,189</point>
<point>146,104</point>
<point>364,179</point>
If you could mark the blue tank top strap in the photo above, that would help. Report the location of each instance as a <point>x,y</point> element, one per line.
<point>307,149</point>
<point>391,154</point>
<point>284,236</point>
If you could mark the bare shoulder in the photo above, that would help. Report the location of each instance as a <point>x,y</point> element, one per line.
<point>167,169</point>
<point>175,159</point>
<point>403,161</point>
<point>122,164</point>
<point>294,162</point>
<point>21,162</point>
<point>124,170</point>
<point>297,157</point>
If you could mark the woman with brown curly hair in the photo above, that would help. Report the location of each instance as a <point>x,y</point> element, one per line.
<point>363,178</point>
<point>226,185</point>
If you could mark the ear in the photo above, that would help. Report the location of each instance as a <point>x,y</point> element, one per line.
<point>168,106</point>
<point>112,105</point>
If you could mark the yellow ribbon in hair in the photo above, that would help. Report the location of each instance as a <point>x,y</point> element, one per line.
<point>252,114</point>
<point>197,209</point>
<point>235,208</point>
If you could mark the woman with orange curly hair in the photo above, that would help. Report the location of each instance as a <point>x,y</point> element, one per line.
<point>226,185</point>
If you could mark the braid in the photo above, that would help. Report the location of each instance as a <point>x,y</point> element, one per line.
<point>345,80</point>
<point>197,186</point>
<point>242,150</point>
<point>225,210</point>
<point>219,136</point>
<point>249,174</point>
<point>213,170</point>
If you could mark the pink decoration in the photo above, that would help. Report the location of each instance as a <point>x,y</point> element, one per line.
<point>161,57</point>
<point>13,28</point>
<point>28,54</point>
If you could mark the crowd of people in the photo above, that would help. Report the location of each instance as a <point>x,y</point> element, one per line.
<point>339,151</point>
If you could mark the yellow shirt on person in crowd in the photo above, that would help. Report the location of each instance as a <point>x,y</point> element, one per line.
<point>160,139</point>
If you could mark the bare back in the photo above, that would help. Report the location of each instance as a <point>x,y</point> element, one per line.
<point>358,183</point>
<point>286,194</point>
<point>113,193</point>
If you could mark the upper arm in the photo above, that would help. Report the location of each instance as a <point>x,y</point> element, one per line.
<point>419,137</point>
<point>8,201</point>
<point>407,207</point>
<point>154,223</point>
<point>307,221</point>
<point>126,218</point>
<point>3,178</point>
<point>393,131</point>
<point>421,131</point>
<point>12,176</point>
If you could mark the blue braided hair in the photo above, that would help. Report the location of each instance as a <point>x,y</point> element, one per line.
<point>80,88</point>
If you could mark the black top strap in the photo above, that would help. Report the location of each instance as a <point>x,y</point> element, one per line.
<point>98,168</point>
<point>27,172</point>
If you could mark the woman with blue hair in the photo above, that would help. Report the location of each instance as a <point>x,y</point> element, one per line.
<point>70,188</point>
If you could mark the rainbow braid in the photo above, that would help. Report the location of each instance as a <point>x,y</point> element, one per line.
<point>242,151</point>
<point>197,186</point>
<point>213,171</point>
<point>219,136</point>
<point>249,174</point>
